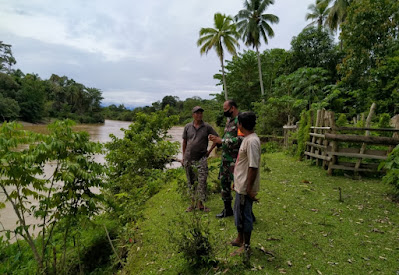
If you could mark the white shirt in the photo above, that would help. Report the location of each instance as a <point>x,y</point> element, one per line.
<point>248,156</point>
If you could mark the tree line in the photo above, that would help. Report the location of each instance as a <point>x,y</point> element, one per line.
<point>29,98</point>
<point>316,72</point>
<point>345,77</point>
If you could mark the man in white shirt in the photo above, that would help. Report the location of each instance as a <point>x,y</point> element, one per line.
<point>246,181</point>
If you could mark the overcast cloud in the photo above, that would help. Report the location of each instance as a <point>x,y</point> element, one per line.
<point>135,52</point>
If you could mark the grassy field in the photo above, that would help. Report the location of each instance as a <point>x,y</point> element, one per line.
<point>303,226</point>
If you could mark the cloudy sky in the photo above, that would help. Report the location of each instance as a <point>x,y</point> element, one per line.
<point>135,52</point>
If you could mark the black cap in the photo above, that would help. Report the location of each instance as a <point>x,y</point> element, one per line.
<point>197,108</point>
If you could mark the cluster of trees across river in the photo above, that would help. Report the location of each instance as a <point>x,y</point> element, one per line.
<point>345,77</point>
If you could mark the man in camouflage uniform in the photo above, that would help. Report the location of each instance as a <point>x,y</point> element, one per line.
<point>230,143</point>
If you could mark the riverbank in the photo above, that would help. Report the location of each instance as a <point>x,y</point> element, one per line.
<point>303,226</point>
<point>99,133</point>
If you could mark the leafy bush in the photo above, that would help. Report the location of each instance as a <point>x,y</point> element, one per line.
<point>137,163</point>
<point>193,239</point>
<point>303,132</point>
<point>342,120</point>
<point>392,167</point>
<point>384,122</point>
<point>270,147</point>
<point>64,195</point>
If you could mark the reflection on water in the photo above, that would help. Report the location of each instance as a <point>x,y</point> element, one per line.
<point>98,132</point>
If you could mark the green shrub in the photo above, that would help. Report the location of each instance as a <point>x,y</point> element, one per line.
<point>193,239</point>
<point>270,147</point>
<point>137,163</point>
<point>392,167</point>
<point>303,133</point>
<point>342,120</point>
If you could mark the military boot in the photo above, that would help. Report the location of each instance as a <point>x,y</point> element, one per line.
<point>227,211</point>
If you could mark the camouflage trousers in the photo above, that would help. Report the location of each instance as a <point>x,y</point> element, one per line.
<point>197,174</point>
<point>226,176</point>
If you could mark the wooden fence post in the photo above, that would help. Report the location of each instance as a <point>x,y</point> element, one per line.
<point>363,148</point>
<point>334,146</point>
<point>395,134</point>
<point>312,148</point>
<point>325,141</point>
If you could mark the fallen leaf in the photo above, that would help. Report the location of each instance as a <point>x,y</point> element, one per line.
<point>282,271</point>
<point>319,272</point>
<point>376,230</point>
<point>289,263</point>
<point>308,266</point>
<point>382,258</point>
<point>272,239</point>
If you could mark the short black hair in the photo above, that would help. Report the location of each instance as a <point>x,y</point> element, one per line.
<point>247,120</point>
<point>232,103</point>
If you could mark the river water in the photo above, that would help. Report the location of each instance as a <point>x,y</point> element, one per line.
<point>98,132</point>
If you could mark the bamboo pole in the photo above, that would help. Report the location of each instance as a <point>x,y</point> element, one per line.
<point>325,142</point>
<point>395,134</point>
<point>363,148</point>
<point>320,140</point>
<point>312,149</point>
<point>365,139</point>
<point>334,145</point>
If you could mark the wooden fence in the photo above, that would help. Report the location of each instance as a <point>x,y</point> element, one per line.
<point>341,148</point>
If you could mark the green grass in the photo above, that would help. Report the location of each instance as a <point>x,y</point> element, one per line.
<point>300,221</point>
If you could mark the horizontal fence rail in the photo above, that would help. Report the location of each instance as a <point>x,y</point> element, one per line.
<point>334,150</point>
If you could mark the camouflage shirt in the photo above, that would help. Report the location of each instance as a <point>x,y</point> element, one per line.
<point>230,146</point>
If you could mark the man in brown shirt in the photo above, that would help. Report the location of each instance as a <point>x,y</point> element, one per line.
<point>195,155</point>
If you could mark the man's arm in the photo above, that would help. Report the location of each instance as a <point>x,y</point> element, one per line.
<point>211,134</point>
<point>184,147</point>
<point>252,173</point>
<point>211,149</point>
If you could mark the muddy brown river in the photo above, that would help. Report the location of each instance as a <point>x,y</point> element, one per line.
<point>98,132</point>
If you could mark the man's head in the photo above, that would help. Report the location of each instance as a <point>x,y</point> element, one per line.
<point>246,120</point>
<point>197,113</point>
<point>230,108</point>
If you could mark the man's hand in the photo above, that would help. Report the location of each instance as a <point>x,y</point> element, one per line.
<point>252,195</point>
<point>215,139</point>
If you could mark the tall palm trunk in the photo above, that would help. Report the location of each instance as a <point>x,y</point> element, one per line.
<point>224,78</point>
<point>262,91</point>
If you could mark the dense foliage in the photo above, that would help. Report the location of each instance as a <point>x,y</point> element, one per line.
<point>137,162</point>
<point>392,167</point>
<point>29,98</point>
<point>59,198</point>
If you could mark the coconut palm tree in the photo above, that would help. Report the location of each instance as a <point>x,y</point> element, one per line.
<point>224,34</point>
<point>253,24</point>
<point>318,13</point>
<point>337,14</point>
